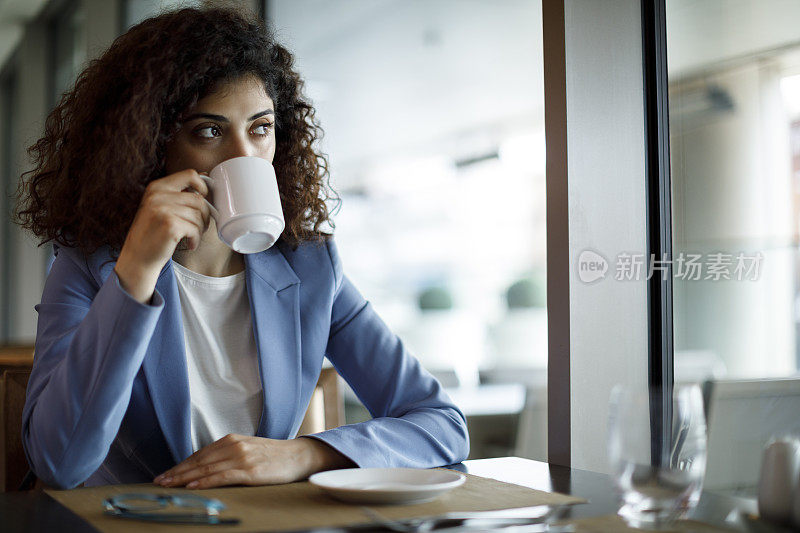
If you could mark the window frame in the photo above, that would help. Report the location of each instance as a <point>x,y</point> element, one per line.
<point>659,222</point>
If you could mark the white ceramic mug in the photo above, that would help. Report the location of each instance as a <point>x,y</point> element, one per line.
<point>245,203</point>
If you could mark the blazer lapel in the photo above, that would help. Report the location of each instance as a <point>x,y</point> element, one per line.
<point>165,370</point>
<point>274,292</point>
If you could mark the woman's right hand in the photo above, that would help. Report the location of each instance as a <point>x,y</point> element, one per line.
<point>169,211</point>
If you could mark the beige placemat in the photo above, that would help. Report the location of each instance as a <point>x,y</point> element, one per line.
<point>615,524</point>
<point>302,505</point>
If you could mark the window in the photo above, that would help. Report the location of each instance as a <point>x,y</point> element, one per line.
<point>68,49</point>
<point>433,119</point>
<point>735,158</point>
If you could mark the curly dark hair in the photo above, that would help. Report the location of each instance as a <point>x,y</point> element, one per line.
<point>106,139</point>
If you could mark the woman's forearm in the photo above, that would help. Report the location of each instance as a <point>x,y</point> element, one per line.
<point>136,280</point>
<point>80,385</point>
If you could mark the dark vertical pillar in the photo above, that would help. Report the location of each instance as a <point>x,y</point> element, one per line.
<point>558,315</point>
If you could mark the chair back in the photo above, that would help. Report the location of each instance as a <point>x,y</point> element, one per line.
<point>13,464</point>
<point>326,408</point>
<point>15,368</point>
<point>743,415</point>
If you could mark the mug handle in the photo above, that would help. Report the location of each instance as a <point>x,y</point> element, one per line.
<point>214,212</point>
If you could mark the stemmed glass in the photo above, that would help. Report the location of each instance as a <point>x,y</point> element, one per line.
<point>657,452</point>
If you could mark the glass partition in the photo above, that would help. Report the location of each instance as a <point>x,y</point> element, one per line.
<point>734,76</point>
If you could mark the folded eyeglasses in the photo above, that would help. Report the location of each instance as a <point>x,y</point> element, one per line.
<point>167,508</point>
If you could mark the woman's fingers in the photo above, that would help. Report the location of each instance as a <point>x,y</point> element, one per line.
<point>208,454</point>
<point>180,181</point>
<point>190,200</point>
<point>207,458</point>
<point>189,207</point>
<point>199,471</point>
<point>167,206</point>
<point>192,215</point>
<point>187,179</point>
<point>221,479</point>
<point>201,205</point>
<point>186,223</point>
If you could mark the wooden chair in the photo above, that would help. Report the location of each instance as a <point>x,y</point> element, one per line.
<point>15,368</point>
<point>13,466</point>
<point>16,357</point>
<point>325,411</point>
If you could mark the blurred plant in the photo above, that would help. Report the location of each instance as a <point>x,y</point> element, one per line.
<point>527,292</point>
<point>435,299</point>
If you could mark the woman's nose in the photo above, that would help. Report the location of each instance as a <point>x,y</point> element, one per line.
<point>240,145</point>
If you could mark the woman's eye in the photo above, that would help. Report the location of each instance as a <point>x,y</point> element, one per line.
<point>263,129</point>
<point>207,132</point>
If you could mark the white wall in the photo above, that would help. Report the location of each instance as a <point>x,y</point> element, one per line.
<point>606,167</point>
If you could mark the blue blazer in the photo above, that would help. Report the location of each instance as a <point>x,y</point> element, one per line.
<point>108,397</point>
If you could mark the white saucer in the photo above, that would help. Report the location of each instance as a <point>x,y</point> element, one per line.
<point>387,485</point>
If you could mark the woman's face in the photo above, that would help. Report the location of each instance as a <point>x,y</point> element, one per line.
<point>237,119</point>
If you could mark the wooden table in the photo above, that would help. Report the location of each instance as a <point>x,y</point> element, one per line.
<point>36,511</point>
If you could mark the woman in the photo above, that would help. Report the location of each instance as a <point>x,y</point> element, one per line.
<point>162,354</point>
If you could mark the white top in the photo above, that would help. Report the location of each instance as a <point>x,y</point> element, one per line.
<point>221,356</point>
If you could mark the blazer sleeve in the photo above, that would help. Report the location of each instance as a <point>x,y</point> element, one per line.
<point>90,343</point>
<point>415,424</point>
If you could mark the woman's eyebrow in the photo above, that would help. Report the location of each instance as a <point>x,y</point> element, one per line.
<point>221,118</point>
<point>265,112</point>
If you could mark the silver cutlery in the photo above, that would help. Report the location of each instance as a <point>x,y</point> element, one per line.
<point>522,520</point>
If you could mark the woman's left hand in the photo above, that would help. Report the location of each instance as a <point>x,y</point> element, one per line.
<point>242,460</point>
